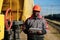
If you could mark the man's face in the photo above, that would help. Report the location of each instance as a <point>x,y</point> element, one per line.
<point>36,13</point>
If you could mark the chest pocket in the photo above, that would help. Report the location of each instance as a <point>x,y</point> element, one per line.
<point>35,23</point>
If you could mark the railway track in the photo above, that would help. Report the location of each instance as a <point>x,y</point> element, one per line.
<point>54,25</point>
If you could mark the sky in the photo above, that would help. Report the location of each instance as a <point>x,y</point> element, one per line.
<point>48,6</point>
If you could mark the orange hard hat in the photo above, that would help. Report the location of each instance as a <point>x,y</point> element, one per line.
<point>37,8</point>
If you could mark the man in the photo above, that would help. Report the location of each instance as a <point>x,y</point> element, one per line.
<point>35,26</point>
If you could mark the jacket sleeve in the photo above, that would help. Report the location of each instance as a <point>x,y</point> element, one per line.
<point>45,24</point>
<point>25,27</point>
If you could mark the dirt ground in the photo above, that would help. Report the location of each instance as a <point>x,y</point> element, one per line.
<point>23,36</point>
<point>52,34</point>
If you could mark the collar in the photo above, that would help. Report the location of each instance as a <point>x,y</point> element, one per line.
<point>39,17</point>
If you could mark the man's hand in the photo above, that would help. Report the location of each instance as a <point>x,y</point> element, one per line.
<point>29,31</point>
<point>39,32</point>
